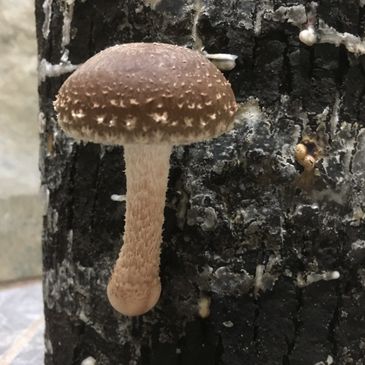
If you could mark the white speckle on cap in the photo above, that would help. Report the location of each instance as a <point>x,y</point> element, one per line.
<point>209,102</point>
<point>218,96</point>
<point>112,122</point>
<point>159,118</point>
<point>202,123</point>
<point>100,119</point>
<point>199,106</point>
<point>114,102</point>
<point>121,103</point>
<point>133,102</point>
<point>180,105</point>
<point>130,123</point>
<point>66,120</point>
<point>148,100</point>
<point>191,106</point>
<point>78,114</point>
<point>188,122</point>
<point>213,116</point>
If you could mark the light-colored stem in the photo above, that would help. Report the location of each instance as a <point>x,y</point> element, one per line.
<point>134,287</point>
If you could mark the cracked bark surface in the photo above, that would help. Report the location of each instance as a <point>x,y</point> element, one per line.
<point>234,205</point>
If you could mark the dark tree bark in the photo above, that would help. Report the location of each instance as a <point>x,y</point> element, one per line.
<point>253,246</point>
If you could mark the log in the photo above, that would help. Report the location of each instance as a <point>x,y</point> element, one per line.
<point>262,261</point>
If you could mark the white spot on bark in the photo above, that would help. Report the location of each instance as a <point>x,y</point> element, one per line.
<point>67,19</point>
<point>47,10</point>
<point>46,69</point>
<point>223,61</point>
<point>204,307</point>
<point>305,279</point>
<point>228,324</point>
<point>198,10</point>
<point>308,36</point>
<point>88,361</point>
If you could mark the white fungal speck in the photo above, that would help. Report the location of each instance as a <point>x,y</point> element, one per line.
<point>228,324</point>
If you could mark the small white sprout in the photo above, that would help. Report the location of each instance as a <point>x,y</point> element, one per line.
<point>203,307</point>
<point>118,198</point>
<point>88,361</point>
<point>223,61</point>
<point>308,36</point>
<point>305,280</point>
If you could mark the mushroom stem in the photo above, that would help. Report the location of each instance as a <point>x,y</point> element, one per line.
<point>134,287</point>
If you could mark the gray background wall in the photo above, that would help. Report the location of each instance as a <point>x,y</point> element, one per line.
<point>20,205</point>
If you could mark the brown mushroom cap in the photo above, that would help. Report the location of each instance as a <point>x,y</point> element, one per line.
<point>146,93</point>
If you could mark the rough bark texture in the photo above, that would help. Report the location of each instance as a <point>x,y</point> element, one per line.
<point>245,228</point>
